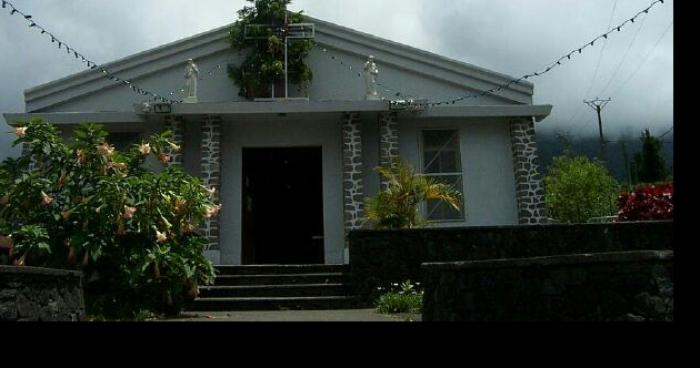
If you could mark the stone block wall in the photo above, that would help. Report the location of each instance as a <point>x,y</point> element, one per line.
<point>388,141</point>
<point>620,286</point>
<point>211,172</point>
<point>529,187</point>
<point>353,191</point>
<point>177,126</point>
<point>381,257</point>
<point>39,294</point>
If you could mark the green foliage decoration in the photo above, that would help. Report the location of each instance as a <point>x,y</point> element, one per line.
<point>398,207</point>
<point>264,61</point>
<point>578,189</point>
<point>84,205</point>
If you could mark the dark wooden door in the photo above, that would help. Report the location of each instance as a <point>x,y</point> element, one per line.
<point>282,206</point>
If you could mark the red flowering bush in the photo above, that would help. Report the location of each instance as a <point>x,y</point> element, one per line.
<point>647,202</point>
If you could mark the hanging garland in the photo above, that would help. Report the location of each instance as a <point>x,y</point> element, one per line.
<point>264,62</point>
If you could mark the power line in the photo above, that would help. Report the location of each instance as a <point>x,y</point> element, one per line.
<point>597,68</point>
<point>556,63</point>
<point>624,57</point>
<point>602,52</point>
<point>646,58</point>
<point>78,55</point>
<point>351,68</point>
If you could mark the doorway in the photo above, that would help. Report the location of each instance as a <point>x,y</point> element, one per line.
<point>282,206</point>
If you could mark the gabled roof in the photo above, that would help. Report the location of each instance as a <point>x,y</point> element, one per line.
<point>330,35</point>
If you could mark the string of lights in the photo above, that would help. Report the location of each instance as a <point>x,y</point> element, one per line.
<point>554,64</point>
<point>602,53</point>
<point>135,88</point>
<point>340,61</point>
<point>597,68</point>
<point>644,60</point>
<point>212,71</point>
<point>624,58</point>
<point>78,55</point>
<point>614,74</point>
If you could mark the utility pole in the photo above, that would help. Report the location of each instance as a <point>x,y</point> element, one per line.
<point>598,105</point>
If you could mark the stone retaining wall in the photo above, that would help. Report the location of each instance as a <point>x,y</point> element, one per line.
<point>378,258</point>
<point>39,294</point>
<point>621,286</point>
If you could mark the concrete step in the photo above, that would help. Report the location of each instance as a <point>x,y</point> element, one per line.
<point>288,279</point>
<point>267,303</point>
<point>280,269</point>
<point>301,290</point>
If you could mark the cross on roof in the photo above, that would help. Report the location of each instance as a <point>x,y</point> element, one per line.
<point>288,31</point>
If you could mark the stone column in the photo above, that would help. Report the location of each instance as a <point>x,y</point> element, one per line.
<point>529,187</point>
<point>388,141</point>
<point>353,191</point>
<point>177,126</point>
<point>211,172</point>
<point>26,150</point>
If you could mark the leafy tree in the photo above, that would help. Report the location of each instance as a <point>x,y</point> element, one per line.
<point>264,63</point>
<point>649,165</point>
<point>397,207</point>
<point>578,188</point>
<point>84,205</point>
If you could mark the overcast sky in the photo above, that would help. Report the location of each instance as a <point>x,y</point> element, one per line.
<point>514,37</point>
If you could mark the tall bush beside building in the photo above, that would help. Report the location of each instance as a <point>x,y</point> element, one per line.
<point>578,189</point>
<point>84,205</point>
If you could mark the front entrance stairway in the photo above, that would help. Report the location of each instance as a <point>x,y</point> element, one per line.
<point>276,287</point>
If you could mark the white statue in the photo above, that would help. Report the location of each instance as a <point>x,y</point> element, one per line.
<point>371,73</point>
<point>191,77</point>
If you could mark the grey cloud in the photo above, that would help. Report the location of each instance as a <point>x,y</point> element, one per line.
<point>509,36</point>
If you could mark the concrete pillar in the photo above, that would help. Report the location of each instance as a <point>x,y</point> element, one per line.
<point>211,172</point>
<point>388,141</point>
<point>529,187</point>
<point>353,191</point>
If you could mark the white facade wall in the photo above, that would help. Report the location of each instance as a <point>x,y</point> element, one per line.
<point>290,131</point>
<point>487,167</point>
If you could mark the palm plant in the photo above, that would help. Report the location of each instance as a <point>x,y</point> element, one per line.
<point>397,207</point>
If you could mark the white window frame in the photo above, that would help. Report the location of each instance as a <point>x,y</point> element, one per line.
<point>421,154</point>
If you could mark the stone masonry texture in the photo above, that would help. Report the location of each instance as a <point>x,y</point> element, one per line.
<point>381,257</point>
<point>529,187</point>
<point>211,172</point>
<point>353,191</point>
<point>619,286</point>
<point>177,126</point>
<point>388,141</point>
<point>39,294</point>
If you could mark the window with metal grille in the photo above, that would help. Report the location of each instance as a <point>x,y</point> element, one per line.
<point>442,162</point>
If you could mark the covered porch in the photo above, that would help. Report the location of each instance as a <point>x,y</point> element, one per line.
<point>351,138</point>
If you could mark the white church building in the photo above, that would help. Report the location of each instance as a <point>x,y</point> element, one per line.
<point>293,174</point>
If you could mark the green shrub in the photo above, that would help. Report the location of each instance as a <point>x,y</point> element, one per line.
<point>577,189</point>
<point>398,206</point>
<point>84,205</point>
<point>264,49</point>
<point>404,298</point>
